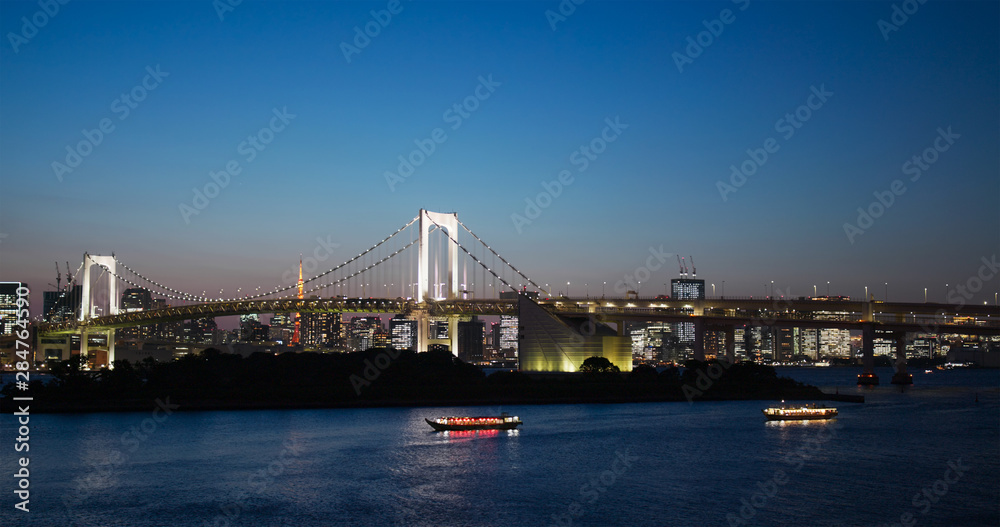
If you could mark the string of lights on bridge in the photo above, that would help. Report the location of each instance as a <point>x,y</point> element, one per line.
<point>176,294</point>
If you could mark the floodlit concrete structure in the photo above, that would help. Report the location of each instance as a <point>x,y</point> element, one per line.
<point>555,343</point>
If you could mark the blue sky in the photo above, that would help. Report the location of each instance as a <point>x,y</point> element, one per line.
<point>656,184</point>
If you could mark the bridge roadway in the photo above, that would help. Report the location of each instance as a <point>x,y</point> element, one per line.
<point>708,313</point>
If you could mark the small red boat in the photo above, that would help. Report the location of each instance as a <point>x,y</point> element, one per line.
<point>503,422</point>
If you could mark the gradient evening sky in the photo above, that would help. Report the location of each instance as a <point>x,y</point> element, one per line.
<point>323,176</point>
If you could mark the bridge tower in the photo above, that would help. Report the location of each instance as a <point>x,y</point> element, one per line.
<point>86,309</point>
<point>449,222</point>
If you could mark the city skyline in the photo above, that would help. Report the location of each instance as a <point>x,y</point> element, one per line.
<point>312,135</point>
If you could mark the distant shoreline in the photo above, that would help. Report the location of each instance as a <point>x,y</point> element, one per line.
<point>207,405</point>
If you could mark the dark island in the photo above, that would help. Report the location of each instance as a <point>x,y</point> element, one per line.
<point>377,377</point>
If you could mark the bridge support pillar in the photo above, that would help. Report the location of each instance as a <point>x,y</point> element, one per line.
<point>699,339</point>
<point>84,345</point>
<point>730,333</point>
<point>867,376</point>
<point>111,349</point>
<point>448,222</point>
<point>423,326</point>
<point>901,376</point>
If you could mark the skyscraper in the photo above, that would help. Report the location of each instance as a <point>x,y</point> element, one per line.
<point>508,336</point>
<point>133,300</point>
<point>403,333</point>
<point>8,305</point>
<point>470,340</point>
<point>62,305</point>
<point>319,330</point>
<point>686,289</point>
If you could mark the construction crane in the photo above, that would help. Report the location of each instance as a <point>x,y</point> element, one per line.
<point>59,277</point>
<point>694,270</point>
<point>681,265</point>
<point>69,276</point>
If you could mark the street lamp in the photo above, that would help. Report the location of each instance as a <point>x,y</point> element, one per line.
<point>828,289</point>
<point>567,289</point>
<point>887,291</point>
<point>713,289</point>
<point>814,290</point>
<point>772,288</point>
<point>602,289</point>
<point>866,293</point>
<point>925,295</point>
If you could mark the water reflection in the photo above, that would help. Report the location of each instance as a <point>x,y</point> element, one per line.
<point>807,423</point>
<point>452,436</point>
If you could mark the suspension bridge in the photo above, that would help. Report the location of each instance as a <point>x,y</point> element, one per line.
<point>424,272</point>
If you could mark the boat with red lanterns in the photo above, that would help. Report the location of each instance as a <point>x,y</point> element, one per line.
<point>502,422</point>
<point>799,412</point>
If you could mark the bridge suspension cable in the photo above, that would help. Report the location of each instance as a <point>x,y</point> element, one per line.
<point>502,259</point>
<point>460,246</point>
<point>180,295</point>
<point>360,272</point>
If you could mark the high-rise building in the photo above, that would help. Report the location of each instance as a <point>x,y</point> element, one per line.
<point>884,346</point>
<point>8,305</point>
<point>470,340</point>
<point>281,328</point>
<point>135,299</point>
<point>809,342</point>
<point>361,332</point>
<point>686,289</point>
<point>836,343</point>
<point>403,333</point>
<point>784,344</point>
<point>63,305</point>
<point>381,338</point>
<point>660,341</point>
<point>200,330</point>
<point>319,330</point>
<point>923,345</point>
<point>508,336</point>
<point>438,329</point>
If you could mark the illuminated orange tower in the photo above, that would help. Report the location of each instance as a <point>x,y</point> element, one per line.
<point>295,337</point>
